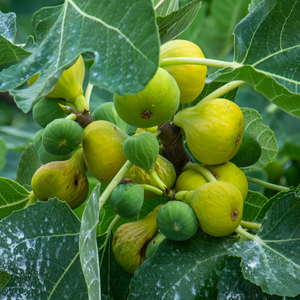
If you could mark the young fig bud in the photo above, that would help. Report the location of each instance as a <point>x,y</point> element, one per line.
<point>65,180</point>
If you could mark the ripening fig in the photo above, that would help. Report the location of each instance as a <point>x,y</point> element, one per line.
<point>177,221</point>
<point>62,136</point>
<point>218,206</point>
<point>154,105</point>
<point>190,78</point>
<point>164,169</point>
<point>189,180</point>
<point>229,172</point>
<point>65,180</point>
<point>131,239</point>
<point>102,144</point>
<point>213,130</point>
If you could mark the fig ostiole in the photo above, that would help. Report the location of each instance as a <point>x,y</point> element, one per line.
<point>65,180</point>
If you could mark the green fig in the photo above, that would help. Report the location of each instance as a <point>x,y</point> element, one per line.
<point>65,180</point>
<point>131,239</point>
<point>127,199</point>
<point>164,169</point>
<point>62,136</point>
<point>154,105</point>
<point>154,244</point>
<point>213,130</point>
<point>102,144</point>
<point>249,151</point>
<point>190,78</point>
<point>189,180</point>
<point>142,150</point>
<point>177,221</point>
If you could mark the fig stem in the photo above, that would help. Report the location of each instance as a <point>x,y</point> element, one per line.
<point>153,175</point>
<point>81,104</point>
<point>115,181</point>
<point>198,61</point>
<point>240,230</point>
<point>268,185</point>
<point>181,195</point>
<point>71,117</point>
<point>250,225</point>
<point>112,224</point>
<point>88,93</point>
<point>31,199</point>
<point>221,91</point>
<point>202,170</point>
<point>153,189</point>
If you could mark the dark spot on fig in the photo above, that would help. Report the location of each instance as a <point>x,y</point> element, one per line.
<point>146,114</point>
<point>115,127</point>
<point>238,139</point>
<point>234,215</point>
<point>76,182</point>
<point>216,175</point>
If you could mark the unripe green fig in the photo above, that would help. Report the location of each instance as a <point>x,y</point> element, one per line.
<point>177,221</point>
<point>142,150</point>
<point>62,136</point>
<point>190,78</point>
<point>131,239</point>
<point>154,244</point>
<point>214,130</point>
<point>249,151</point>
<point>107,112</point>
<point>189,180</point>
<point>47,110</point>
<point>127,199</point>
<point>102,144</point>
<point>229,172</point>
<point>154,105</point>
<point>164,169</point>
<point>65,180</point>
<point>218,206</point>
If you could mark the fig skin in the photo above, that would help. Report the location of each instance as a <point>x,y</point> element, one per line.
<point>229,172</point>
<point>154,105</point>
<point>213,130</point>
<point>164,169</point>
<point>190,78</point>
<point>102,144</point>
<point>65,180</point>
<point>131,239</point>
<point>218,206</point>
<point>189,180</point>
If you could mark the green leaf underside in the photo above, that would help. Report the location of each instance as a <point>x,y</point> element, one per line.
<point>273,262</point>
<point>122,35</point>
<point>264,135</point>
<point>88,245</point>
<point>12,197</point>
<point>253,205</point>
<point>39,248</point>
<point>172,25</point>
<point>192,269</point>
<point>165,7</point>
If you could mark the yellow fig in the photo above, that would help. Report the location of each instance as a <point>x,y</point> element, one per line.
<point>189,180</point>
<point>213,130</point>
<point>131,240</point>
<point>190,78</point>
<point>65,180</point>
<point>102,144</point>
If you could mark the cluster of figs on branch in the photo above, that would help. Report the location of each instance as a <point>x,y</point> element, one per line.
<point>202,186</point>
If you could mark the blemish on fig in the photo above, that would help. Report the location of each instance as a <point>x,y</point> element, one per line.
<point>216,175</point>
<point>115,127</point>
<point>234,215</point>
<point>76,182</point>
<point>238,139</point>
<point>146,114</point>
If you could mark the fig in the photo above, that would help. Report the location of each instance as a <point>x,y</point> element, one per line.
<point>154,244</point>
<point>142,150</point>
<point>127,199</point>
<point>218,206</point>
<point>164,169</point>
<point>65,180</point>
<point>229,172</point>
<point>213,130</point>
<point>62,136</point>
<point>131,239</point>
<point>154,105</point>
<point>189,180</point>
<point>107,112</point>
<point>190,78</point>
<point>177,221</point>
<point>249,151</point>
<point>102,144</point>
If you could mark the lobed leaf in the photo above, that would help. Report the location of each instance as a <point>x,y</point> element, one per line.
<point>165,7</point>
<point>253,205</point>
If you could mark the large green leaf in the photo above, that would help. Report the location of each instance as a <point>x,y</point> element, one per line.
<point>272,259</point>
<point>88,247</point>
<point>9,52</point>
<point>253,205</point>
<point>165,7</point>
<point>39,250</point>
<point>182,270</point>
<point>122,35</point>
